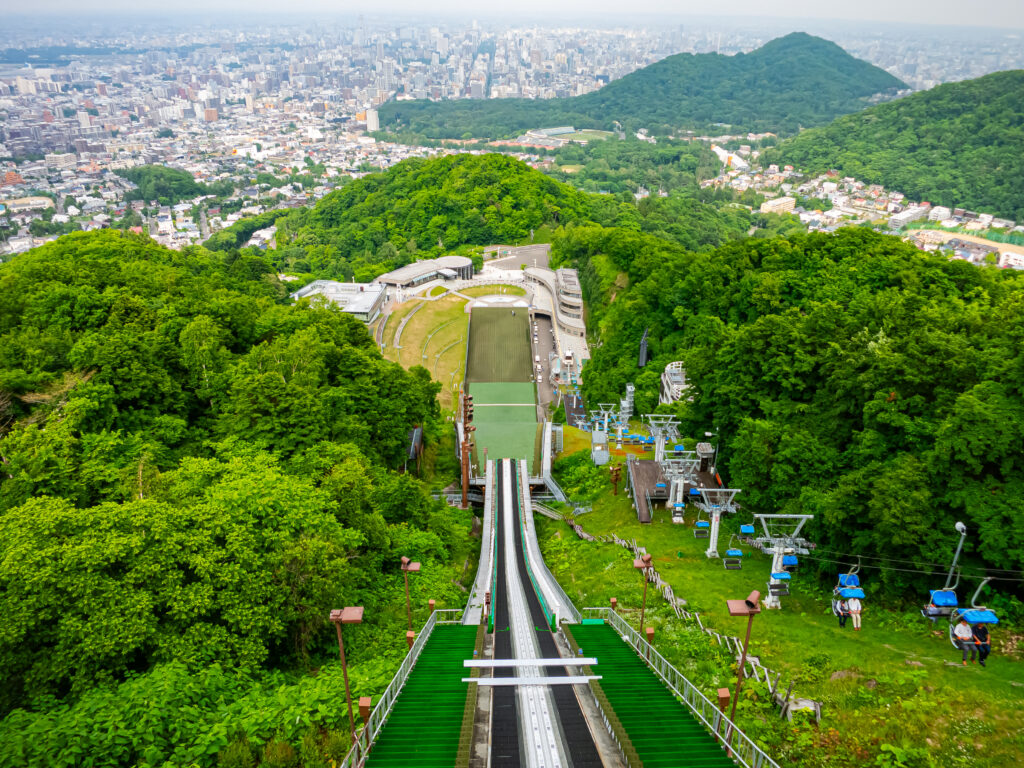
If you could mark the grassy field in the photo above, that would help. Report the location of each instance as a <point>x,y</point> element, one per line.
<point>897,682</point>
<point>493,290</point>
<point>391,327</point>
<point>588,134</point>
<point>437,290</point>
<point>499,347</point>
<point>435,337</point>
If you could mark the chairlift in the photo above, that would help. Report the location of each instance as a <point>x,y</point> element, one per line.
<point>790,563</point>
<point>847,588</point>
<point>702,528</point>
<point>733,560</point>
<point>976,614</point>
<point>780,589</point>
<point>941,602</point>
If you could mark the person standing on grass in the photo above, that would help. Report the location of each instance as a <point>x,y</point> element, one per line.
<point>965,639</point>
<point>844,613</point>
<point>853,604</point>
<point>982,642</point>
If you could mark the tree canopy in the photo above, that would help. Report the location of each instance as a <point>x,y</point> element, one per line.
<point>851,377</point>
<point>791,82</point>
<point>958,144</point>
<point>193,472</point>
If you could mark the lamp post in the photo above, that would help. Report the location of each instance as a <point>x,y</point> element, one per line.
<point>349,615</point>
<point>407,568</point>
<point>715,435</point>
<point>962,530</point>
<point>749,608</point>
<point>642,564</point>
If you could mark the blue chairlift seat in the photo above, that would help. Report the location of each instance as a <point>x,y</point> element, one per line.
<point>789,560</point>
<point>848,580</point>
<point>679,505</point>
<point>746,530</point>
<point>703,524</point>
<point>979,616</point>
<point>660,485</point>
<point>944,598</point>
<point>694,492</point>
<point>782,576</point>
<point>679,447</point>
<point>850,592</point>
<point>734,553</point>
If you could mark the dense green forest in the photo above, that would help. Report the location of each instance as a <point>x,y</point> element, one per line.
<point>193,473</point>
<point>423,208</point>
<point>793,82</point>
<point>168,185</point>
<point>959,144</point>
<point>616,166</point>
<point>851,377</point>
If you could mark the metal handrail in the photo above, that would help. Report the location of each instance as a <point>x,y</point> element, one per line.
<point>357,755</point>
<point>574,614</point>
<point>737,743</point>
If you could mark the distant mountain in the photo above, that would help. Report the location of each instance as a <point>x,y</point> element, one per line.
<point>793,82</point>
<point>958,144</point>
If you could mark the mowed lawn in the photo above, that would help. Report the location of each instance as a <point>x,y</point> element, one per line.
<point>493,290</point>
<point>435,337</point>
<point>919,690</point>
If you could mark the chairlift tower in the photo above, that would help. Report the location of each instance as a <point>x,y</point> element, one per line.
<point>680,472</point>
<point>604,412</point>
<point>626,404</point>
<point>662,426</point>
<point>608,413</point>
<point>781,537</point>
<point>716,502</point>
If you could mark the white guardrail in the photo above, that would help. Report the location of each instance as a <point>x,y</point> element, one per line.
<point>739,746</point>
<point>356,756</point>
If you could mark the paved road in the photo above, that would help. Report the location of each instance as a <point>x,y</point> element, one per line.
<point>524,255</point>
<point>544,345</point>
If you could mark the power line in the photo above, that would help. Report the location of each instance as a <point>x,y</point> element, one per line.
<point>914,570</point>
<point>910,562</point>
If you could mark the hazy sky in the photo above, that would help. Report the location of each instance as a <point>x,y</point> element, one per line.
<point>990,13</point>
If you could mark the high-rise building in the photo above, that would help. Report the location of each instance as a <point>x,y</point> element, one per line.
<point>372,120</point>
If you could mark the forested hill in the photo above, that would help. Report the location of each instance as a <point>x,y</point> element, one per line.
<point>193,473</point>
<point>423,208</point>
<point>792,82</point>
<point>958,144</point>
<point>851,376</point>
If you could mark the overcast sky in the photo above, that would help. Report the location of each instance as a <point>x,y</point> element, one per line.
<point>992,13</point>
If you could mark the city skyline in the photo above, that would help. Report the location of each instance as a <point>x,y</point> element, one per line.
<point>995,14</point>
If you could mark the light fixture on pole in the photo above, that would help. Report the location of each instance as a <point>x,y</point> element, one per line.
<point>407,568</point>
<point>962,530</point>
<point>349,615</point>
<point>749,608</point>
<point>642,564</point>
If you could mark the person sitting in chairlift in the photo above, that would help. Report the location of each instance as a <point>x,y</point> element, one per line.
<point>965,639</point>
<point>982,642</point>
<point>855,608</point>
<point>844,613</point>
<point>932,610</point>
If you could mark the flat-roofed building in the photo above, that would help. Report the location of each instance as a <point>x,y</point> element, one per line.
<point>420,272</point>
<point>361,300</point>
<point>779,205</point>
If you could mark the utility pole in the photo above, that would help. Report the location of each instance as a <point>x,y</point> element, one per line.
<point>615,472</point>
